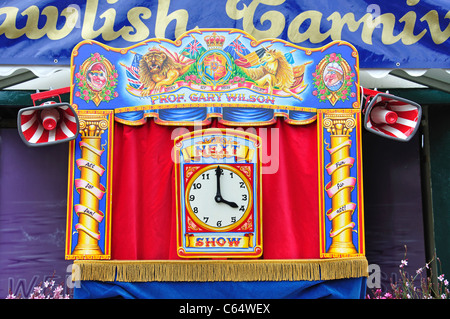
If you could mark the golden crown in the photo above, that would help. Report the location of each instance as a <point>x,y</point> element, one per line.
<point>214,41</point>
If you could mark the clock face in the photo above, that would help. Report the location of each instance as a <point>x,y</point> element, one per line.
<point>219,194</point>
<point>219,197</point>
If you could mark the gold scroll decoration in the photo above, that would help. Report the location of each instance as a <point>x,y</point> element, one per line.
<point>340,125</point>
<point>92,126</point>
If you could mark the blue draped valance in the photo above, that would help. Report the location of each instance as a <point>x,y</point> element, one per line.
<point>226,115</point>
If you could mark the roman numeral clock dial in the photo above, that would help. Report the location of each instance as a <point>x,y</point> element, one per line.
<point>219,190</point>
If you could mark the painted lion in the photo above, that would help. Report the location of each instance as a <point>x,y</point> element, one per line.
<point>276,72</point>
<point>157,69</point>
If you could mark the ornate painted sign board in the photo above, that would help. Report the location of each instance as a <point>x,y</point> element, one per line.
<point>218,180</point>
<point>228,75</point>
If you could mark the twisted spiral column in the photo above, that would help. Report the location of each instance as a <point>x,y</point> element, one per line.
<point>340,125</point>
<point>92,126</point>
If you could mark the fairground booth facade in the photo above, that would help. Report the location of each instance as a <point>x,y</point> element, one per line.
<point>216,150</point>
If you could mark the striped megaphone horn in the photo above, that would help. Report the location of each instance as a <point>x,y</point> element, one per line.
<point>391,116</point>
<point>48,123</point>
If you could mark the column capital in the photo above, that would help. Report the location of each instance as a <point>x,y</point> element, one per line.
<point>339,123</point>
<point>93,125</point>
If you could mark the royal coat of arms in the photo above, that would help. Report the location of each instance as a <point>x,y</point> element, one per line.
<point>212,67</point>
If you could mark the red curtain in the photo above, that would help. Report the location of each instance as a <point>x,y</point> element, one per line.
<point>143,201</point>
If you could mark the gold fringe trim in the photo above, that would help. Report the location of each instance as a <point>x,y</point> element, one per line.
<point>220,270</point>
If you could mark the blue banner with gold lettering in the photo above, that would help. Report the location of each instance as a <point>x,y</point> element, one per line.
<point>387,34</point>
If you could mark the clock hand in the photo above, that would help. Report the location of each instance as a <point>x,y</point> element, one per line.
<point>218,195</point>
<point>218,198</point>
<point>232,204</point>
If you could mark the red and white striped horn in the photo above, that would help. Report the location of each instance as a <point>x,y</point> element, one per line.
<point>49,123</point>
<point>392,117</point>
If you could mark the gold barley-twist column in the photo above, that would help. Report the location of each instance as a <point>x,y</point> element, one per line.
<point>92,126</point>
<point>340,125</point>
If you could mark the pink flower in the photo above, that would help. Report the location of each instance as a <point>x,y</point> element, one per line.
<point>107,98</point>
<point>59,289</point>
<point>333,57</point>
<point>108,92</point>
<point>315,93</point>
<point>37,289</point>
<point>77,94</point>
<point>11,296</point>
<point>115,74</point>
<point>113,83</point>
<point>116,94</point>
<point>57,292</point>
